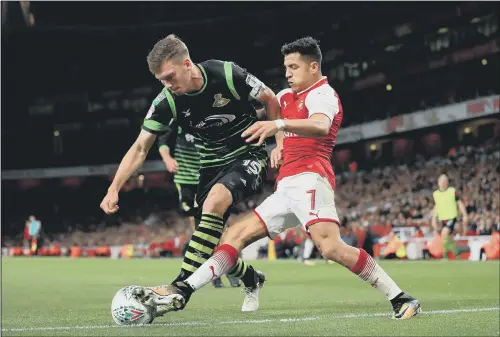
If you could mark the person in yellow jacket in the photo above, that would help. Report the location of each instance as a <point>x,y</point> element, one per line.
<point>447,204</point>
<point>395,248</point>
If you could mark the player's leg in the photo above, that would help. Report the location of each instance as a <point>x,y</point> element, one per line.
<point>229,187</point>
<point>217,283</point>
<point>208,234</point>
<point>269,219</point>
<point>187,196</point>
<point>215,198</point>
<point>306,254</point>
<point>445,234</point>
<point>448,243</point>
<point>244,179</point>
<point>224,259</point>
<point>326,236</point>
<point>209,230</point>
<point>313,202</point>
<point>238,182</point>
<point>233,280</point>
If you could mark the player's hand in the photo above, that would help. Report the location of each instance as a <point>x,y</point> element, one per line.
<point>172,165</point>
<point>260,130</point>
<point>110,203</point>
<point>276,155</point>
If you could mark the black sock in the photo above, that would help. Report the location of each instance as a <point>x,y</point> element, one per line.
<point>399,297</point>
<point>202,244</point>
<point>245,273</point>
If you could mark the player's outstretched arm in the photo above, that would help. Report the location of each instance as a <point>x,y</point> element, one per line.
<point>132,160</point>
<point>273,110</point>
<point>273,114</point>
<point>323,105</point>
<point>318,125</point>
<point>267,97</point>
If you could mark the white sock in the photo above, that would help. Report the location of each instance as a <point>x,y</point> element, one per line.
<point>370,271</point>
<point>221,262</point>
<point>308,248</point>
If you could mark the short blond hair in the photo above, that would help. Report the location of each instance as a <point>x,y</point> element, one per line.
<point>167,48</point>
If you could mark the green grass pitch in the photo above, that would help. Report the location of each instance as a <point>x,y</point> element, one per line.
<point>65,297</point>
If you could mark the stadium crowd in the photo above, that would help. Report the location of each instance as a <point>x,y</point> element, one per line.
<point>370,204</point>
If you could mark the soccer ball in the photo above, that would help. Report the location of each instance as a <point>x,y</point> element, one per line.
<point>126,310</point>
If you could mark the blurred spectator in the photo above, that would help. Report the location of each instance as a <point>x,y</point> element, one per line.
<point>370,203</point>
<point>34,234</point>
<point>486,227</point>
<point>349,237</point>
<point>491,249</point>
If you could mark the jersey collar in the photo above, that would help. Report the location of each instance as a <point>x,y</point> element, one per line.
<point>303,91</point>
<point>205,81</point>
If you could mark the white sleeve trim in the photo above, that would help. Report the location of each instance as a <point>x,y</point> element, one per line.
<point>324,101</point>
<point>282,93</point>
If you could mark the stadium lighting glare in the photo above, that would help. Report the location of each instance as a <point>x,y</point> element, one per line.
<point>484,62</point>
<point>388,87</point>
<point>467,130</point>
<point>373,147</point>
<point>56,133</point>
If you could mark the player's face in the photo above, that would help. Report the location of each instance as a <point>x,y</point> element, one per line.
<point>176,75</point>
<point>443,183</point>
<point>300,72</point>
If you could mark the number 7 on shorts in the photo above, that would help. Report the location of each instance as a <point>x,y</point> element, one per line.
<point>313,197</point>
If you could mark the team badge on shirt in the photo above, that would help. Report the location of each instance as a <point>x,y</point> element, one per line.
<point>220,101</point>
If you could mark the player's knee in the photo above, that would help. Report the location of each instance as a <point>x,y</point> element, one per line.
<point>245,232</point>
<point>334,250</point>
<point>234,236</point>
<point>327,238</point>
<point>218,200</point>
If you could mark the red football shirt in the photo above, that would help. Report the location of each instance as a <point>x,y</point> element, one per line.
<point>307,154</point>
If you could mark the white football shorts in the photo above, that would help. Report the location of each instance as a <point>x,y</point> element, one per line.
<point>303,199</point>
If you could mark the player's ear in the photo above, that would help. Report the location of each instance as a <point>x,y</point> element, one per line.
<point>314,67</point>
<point>187,62</point>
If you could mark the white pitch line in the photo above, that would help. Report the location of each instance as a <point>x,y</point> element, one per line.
<point>251,321</point>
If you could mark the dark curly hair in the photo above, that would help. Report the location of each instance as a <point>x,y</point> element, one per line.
<point>306,46</point>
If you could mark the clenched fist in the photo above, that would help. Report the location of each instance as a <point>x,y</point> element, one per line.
<point>109,203</point>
